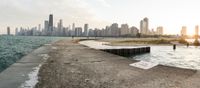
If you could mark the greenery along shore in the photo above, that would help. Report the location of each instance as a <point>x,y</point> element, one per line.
<point>151,41</point>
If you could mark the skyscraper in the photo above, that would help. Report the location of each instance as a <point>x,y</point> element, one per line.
<point>159,30</point>
<point>196,30</point>
<point>86,30</point>
<point>124,29</point>
<point>16,31</point>
<point>46,26</point>
<point>114,30</point>
<point>8,30</point>
<point>73,29</point>
<point>60,28</point>
<point>78,31</point>
<point>141,27</point>
<point>134,31</point>
<point>184,31</point>
<point>144,26</point>
<point>39,27</point>
<point>50,27</point>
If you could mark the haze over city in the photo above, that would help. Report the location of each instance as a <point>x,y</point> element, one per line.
<point>170,14</point>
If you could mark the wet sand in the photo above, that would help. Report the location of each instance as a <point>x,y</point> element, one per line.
<point>72,65</point>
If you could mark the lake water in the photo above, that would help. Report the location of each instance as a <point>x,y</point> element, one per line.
<point>182,57</point>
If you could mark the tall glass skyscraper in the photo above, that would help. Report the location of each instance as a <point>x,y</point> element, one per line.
<point>86,30</point>
<point>144,26</point>
<point>8,30</point>
<point>50,27</point>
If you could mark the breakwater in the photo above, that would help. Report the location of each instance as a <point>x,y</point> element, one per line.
<point>126,51</point>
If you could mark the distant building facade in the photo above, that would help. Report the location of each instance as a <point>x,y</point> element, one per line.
<point>159,30</point>
<point>46,26</point>
<point>144,26</point>
<point>124,30</point>
<point>8,30</point>
<point>60,31</point>
<point>115,32</point>
<point>134,31</point>
<point>78,31</point>
<point>73,29</point>
<point>196,30</point>
<point>50,26</point>
<point>86,30</point>
<point>16,31</point>
<point>184,31</point>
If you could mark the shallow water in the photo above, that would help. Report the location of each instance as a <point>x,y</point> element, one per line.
<point>182,57</point>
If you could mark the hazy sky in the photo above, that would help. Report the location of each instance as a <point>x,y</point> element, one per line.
<point>171,14</point>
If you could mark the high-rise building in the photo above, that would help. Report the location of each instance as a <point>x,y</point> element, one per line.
<point>50,27</point>
<point>86,30</point>
<point>196,30</point>
<point>159,30</point>
<point>141,27</point>
<point>97,32</point>
<point>73,30</point>
<point>91,32</point>
<point>103,32</point>
<point>144,26</point>
<point>78,31</point>
<point>115,30</point>
<point>184,31</point>
<point>46,26</point>
<point>124,29</point>
<point>16,31</point>
<point>39,27</point>
<point>60,28</point>
<point>134,31</point>
<point>8,30</point>
<point>108,31</point>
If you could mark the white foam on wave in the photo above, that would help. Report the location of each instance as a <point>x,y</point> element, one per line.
<point>33,78</point>
<point>33,75</point>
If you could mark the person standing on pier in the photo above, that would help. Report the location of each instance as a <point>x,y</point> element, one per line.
<point>174,46</point>
<point>187,45</point>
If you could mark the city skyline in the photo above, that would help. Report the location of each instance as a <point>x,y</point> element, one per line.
<point>113,30</point>
<point>51,25</point>
<point>170,14</point>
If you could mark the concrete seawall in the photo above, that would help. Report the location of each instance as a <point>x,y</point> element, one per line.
<point>128,52</point>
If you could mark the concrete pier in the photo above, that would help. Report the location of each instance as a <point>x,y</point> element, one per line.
<point>126,51</point>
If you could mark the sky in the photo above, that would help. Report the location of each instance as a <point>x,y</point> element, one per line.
<point>171,14</point>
